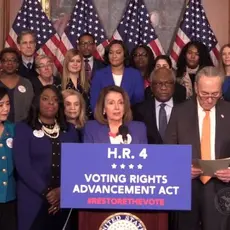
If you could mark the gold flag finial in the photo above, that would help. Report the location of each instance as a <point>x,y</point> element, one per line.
<point>46,7</point>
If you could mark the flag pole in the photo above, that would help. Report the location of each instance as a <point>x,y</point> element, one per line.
<point>6,19</point>
<point>229,23</point>
<point>46,7</point>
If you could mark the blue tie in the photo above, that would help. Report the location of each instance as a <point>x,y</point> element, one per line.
<point>29,65</point>
<point>162,120</point>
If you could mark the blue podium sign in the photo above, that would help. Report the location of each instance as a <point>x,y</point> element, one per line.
<point>105,176</point>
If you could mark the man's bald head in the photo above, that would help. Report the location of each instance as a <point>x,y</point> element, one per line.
<point>163,84</point>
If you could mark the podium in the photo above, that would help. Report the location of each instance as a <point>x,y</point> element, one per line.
<point>125,186</point>
<point>91,220</point>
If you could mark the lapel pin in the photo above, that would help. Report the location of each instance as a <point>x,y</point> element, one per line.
<point>222,116</point>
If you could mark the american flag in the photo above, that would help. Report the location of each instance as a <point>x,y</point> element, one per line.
<point>84,19</point>
<point>31,16</point>
<point>135,28</point>
<point>195,27</point>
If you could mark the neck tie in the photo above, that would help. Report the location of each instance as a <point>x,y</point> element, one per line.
<point>29,65</point>
<point>162,120</point>
<point>206,143</point>
<point>87,69</point>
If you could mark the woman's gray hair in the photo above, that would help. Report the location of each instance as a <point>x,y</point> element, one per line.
<point>209,71</point>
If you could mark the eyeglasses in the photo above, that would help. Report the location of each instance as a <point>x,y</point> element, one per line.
<point>140,55</point>
<point>165,84</point>
<point>213,96</point>
<point>89,43</point>
<point>9,60</point>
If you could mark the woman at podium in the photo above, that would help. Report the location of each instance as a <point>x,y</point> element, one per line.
<point>113,120</point>
<point>114,125</point>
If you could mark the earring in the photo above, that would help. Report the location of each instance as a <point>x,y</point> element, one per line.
<point>104,113</point>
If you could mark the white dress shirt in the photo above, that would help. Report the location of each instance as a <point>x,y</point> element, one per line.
<point>168,109</point>
<point>117,79</point>
<point>114,140</point>
<point>90,62</point>
<point>26,61</point>
<point>201,115</point>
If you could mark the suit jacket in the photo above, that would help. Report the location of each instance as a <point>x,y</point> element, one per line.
<point>97,65</point>
<point>37,85</point>
<point>179,94</point>
<point>33,161</point>
<point>95,132</point>
<point>7,191</point>
<point>226,93</point>
<point>27,73</point>
<point>146,112</point>
<point>183,128</point>
<point>132,82</point>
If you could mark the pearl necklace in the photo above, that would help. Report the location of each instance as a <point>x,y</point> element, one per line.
<point>51,132</point>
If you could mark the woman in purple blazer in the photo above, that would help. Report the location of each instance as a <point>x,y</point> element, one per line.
<point>113,122</point>
<point>37,153</point>
<point>118,73</point>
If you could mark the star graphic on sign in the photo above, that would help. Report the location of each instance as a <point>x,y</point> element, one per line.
<point>140,166</point>
<point>122,166</point>
<point>114,166</point>
<point>131,166</point>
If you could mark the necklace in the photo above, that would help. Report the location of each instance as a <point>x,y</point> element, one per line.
<point>51,131</point>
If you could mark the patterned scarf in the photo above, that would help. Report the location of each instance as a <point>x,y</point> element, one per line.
<point>186,81</point>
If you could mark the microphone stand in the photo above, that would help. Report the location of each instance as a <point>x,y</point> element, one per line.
<point>67,220</point>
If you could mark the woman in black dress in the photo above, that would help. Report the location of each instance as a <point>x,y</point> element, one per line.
<point>73,77</point>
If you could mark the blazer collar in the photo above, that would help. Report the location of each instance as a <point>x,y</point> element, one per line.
<point>108,70</point>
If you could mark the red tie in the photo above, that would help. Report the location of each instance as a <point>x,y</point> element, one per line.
<point>87,69</point>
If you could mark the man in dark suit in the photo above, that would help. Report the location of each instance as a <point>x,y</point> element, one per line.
<point>86,45</point>
<point>204,123</point>
<point>26,42</point>
<point>155,112</point>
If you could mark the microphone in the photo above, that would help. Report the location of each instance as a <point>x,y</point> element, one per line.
<point>124,131</point>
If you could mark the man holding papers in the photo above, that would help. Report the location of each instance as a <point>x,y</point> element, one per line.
<point>204,123</point>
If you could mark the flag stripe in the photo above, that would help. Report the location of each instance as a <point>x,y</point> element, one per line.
<point>31,16</point>
<point>135,28</point>
<point>84,18</point>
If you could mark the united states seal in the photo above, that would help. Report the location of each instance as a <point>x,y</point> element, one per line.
<point>122,221</point>
<point>222,201</point>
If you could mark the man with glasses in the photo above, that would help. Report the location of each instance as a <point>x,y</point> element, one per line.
<point>204,123</point>
<point>156,111</point>
<point>87,46</point>
<point>26,42</point>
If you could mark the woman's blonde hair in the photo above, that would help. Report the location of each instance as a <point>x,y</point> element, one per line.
<point>81,120</point>
<point>66,74</point>
<point>221,63</point>
<point>99,109</point>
